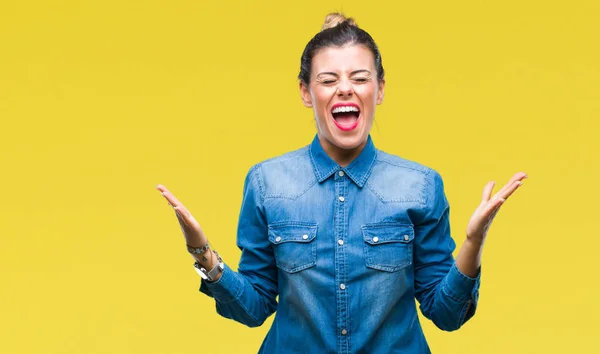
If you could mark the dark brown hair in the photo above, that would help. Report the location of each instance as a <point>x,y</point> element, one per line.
<point>338,31</point>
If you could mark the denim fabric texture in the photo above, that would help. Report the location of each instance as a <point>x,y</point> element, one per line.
<point>341,254</point>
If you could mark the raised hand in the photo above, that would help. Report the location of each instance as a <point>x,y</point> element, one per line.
<point>483,216</point>
<point>192,232</point>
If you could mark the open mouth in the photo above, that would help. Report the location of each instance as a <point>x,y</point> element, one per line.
<point>346,116</point>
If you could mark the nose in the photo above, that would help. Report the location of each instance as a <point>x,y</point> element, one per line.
<point>345,88</point>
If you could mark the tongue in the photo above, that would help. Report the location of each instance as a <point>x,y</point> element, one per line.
<point>346,118</point>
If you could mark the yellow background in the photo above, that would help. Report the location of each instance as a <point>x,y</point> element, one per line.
<point>102,100</point>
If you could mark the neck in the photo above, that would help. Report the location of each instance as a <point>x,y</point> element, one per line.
<point>342,157</point>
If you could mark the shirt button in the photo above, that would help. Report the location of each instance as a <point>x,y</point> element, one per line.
<point>305,237</point>
<point>344,332</point>
<point>277,239</point>
<point>341,199</point>
<point>343,286</point>
<point>341,173</point>
<point>406,237</point>
<point>341,242</point>
<point>375,239</point>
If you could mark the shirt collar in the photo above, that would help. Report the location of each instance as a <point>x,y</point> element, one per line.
<point>358,170</point>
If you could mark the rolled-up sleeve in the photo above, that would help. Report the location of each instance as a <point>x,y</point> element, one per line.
<point>446,296</point>
<point>248,295</point>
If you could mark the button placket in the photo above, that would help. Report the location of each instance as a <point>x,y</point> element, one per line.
<point>341,271</point>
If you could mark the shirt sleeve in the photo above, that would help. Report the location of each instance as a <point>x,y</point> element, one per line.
<point>446,296</point>
<point>248,295</point>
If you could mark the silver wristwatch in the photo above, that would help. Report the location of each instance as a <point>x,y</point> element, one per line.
<point>210,275</point>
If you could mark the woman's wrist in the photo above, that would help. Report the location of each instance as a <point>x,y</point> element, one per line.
<point>207,260</point>
<point>474,241</point>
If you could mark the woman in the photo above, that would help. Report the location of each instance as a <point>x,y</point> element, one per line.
<point>346,235</point>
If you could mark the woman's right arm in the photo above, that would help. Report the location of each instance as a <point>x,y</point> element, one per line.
<point>248,295</point>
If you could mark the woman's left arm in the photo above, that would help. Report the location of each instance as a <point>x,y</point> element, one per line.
<point>447,289</point>
<point>468,260</point>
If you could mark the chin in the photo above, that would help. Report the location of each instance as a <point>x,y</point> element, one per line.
<point>349,142</point>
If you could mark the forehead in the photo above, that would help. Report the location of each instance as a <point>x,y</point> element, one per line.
<point>343,59</point>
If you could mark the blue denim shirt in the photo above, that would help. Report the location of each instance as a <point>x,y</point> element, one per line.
<point>347,250</point>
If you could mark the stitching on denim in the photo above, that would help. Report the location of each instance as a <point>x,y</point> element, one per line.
<point>369,170</point>
<point>287,156</point>
<point>256,177</point>
<point>312,226</point>
<point>299,268</point>
<point>387,201</point>
<point>314,163</point>
<point>237,293</point>
<point>292,223</point>
<point>386,224</point>
<point>463,313</point>
<point>375,192</point>
<point>291,197</point>
<point>371,262</point>
<point>243,306</point>
<point>422,169</point>
<point>286,238</point>
<point>450,293</point>
<point>427,181</point>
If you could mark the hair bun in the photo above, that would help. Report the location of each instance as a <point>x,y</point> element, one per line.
<point>335,18</point>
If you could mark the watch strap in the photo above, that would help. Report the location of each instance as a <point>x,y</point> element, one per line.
<point>210,275</point>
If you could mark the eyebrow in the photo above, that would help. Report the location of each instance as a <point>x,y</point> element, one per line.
<point>352,73</point>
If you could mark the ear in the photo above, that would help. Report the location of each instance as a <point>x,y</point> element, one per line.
<point>380,91</point>
<point>305,94</point>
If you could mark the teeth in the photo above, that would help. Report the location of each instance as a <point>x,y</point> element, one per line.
<point>340,109</point>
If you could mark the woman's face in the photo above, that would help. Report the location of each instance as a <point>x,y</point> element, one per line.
<point>343,93</point>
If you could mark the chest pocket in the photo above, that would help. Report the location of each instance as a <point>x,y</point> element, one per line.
<point>294,245</point>
<point>389,246</point>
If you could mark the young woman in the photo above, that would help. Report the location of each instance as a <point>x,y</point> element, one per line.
<point>346,235</point>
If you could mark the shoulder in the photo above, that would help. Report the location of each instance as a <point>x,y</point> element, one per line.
<point>285,176</point>
<point>396,179</point>
<point>402,164</point>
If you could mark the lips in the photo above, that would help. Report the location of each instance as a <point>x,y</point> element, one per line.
<point>346,116</point>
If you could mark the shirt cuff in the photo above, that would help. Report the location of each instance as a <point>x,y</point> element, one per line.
<point>227,288</point>
<point>460,287</point>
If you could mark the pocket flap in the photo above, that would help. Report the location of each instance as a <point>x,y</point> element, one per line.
<point>385,233</point>
<point>292,232</point>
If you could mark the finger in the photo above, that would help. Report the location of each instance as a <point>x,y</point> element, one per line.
<point>517,177</point>
<point>181,211</point>
<point>171,199</point>
<point>487,191</point>
<point>510,189</point>
<point>186,217</point>
<point>492,207</point>
<point>182,223</point>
